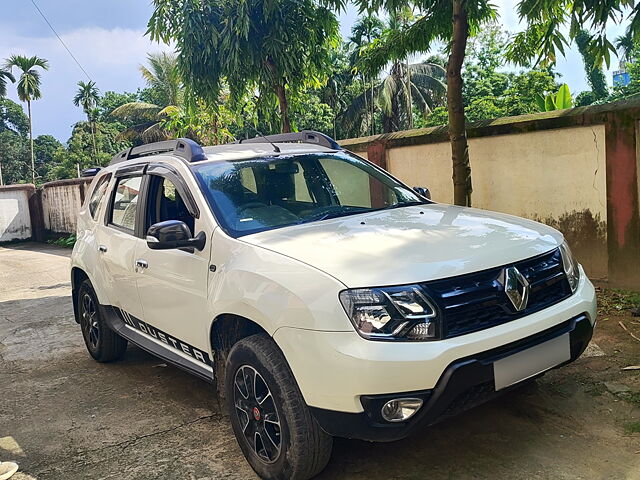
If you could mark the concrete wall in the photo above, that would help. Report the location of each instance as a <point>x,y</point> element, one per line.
<point>576,170</point>
<point>61,202</point>
<point>554,176</point>
<point>15,220</point>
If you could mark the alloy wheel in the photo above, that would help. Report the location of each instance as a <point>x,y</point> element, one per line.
<point>257,414</point>
<point>90,320</point>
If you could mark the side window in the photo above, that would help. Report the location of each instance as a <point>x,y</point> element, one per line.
<point>98,195</point>
<point>125,202</point>
<point>165,203</point>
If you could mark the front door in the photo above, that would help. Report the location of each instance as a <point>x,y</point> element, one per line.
<point>173,283</point>
<point>117,244</point>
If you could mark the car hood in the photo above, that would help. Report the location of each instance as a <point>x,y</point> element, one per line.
<point>410,244</point>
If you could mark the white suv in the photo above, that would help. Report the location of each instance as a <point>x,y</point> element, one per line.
<point>322,295</point>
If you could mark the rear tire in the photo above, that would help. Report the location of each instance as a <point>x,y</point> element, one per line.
<point>273,425</point>
<point>103,344</point>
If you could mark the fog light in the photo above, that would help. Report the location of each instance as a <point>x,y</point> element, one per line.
<point>400,409</point>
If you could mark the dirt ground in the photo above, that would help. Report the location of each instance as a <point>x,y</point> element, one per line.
<point>64,416</point>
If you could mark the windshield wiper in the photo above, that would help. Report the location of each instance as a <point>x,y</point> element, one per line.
<point>333,214</point>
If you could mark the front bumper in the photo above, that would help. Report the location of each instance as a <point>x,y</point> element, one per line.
<point>465,383</point>
<point>336,370</point>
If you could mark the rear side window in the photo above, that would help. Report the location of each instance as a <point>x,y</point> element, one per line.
<point>125,203</point>
<point>98,194</point>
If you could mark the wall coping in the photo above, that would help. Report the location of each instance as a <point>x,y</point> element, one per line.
<point>18,186</point>
<point>68,181</point>
<point>579,116</point>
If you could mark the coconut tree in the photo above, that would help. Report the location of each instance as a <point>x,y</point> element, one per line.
<point>4,76</point>
<point>366,29</point>
<point>166,90</point>
<point>87,97</point>
<point>28,89</point>
<point>419,85</point>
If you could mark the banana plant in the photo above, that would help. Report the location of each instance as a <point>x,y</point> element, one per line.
<point>561,100</point>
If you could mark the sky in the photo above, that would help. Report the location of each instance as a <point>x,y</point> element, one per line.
<point>107,37</point>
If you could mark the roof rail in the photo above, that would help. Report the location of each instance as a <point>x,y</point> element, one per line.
<point>181,147</point>
<point>305,136</point>
<point>90,172</point>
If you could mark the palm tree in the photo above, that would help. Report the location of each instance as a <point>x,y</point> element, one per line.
<point>87,97</point>
<point>419,84</point>
<point>28,89</point>
<point>163,79</point>
<point>363,33</point>
<point>4,76</point>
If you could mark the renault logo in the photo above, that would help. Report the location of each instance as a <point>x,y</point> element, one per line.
<point>516,287</point>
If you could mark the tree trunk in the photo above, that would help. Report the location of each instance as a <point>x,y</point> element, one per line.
<point>93,137</point>
<point>1,179</point>
<point>33,161</point>
<point>455,107</point>
<point>409,99</point>
<point>284,108</point>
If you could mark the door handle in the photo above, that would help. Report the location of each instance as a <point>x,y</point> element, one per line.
<point>142,263</point>
<point>102,248</point>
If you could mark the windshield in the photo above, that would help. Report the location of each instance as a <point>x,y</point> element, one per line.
<point>249,196</point>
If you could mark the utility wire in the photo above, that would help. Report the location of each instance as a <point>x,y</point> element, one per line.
<point>61,41</point>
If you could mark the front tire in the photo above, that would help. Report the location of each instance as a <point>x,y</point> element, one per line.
<point>103,344</point>
<point>273,426</point>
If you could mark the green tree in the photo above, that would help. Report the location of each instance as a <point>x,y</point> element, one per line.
<point>28,89</point>
<point>14,157</point>
<point>12,117</point>
<point>4,76</point>
<point>277,48</point>
<point>145,119</point>
<point>366,29</point>
<point>453,21</point>
<point>87,97</point>
<point>45,147</point>
<point>593,69</point>
<point>424,90</point>
<point>111,100</point>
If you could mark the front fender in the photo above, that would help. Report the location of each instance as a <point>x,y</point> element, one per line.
<point>273,290</point>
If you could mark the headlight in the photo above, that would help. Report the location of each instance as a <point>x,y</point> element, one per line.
<point>391,313</point>
<point>570,265</point>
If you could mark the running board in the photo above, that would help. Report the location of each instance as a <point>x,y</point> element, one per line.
<point>154,346</point>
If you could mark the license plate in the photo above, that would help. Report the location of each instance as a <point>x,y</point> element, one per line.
<point>530,362</point>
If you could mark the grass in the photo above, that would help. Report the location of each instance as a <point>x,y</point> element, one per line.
<point>632,427</point>
<point>67,242</point>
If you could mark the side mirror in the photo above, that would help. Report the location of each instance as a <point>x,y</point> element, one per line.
<point>173,234</point>
<point>422,191</point>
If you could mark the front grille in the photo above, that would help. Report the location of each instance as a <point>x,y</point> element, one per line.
<point>477,301</point>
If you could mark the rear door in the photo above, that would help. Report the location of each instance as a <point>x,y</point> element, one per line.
<point>118,238</point>
<point>173,283</point>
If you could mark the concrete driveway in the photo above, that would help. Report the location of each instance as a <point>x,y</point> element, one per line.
<point>64,416</point>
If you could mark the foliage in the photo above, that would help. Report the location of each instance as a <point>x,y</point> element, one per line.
<point>277,48</point>
<point>4,77</point>
<point>559,101</point>
<point>489,91</point>
<point>29,80</point>
<point>67,242</point>
<point>200,122</point>
<point>145,119</point>
<point>14,157</point>
<point>87,96</point>
<point>12,117</point>
<point>593,70</point>
<point>111,100</point>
